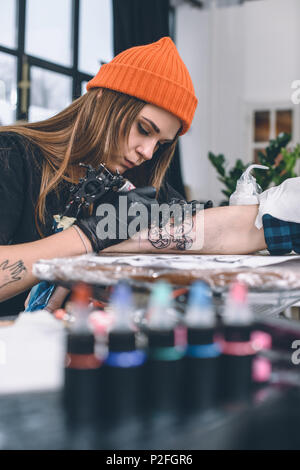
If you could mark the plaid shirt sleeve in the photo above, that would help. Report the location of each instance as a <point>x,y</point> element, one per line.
<point>281,237</point>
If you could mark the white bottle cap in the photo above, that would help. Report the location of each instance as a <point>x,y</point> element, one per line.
<point>247,189</point>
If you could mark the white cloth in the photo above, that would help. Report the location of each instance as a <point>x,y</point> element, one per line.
<point>282,202</point>
<point>32,353</point>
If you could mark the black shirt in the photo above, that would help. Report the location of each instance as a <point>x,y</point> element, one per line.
<point>20,179</point>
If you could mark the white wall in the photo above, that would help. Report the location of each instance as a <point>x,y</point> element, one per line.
<point>236,56</point>
<point>272,39</point>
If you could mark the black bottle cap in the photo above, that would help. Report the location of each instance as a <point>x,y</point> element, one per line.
<point>237,333</point>
<point>197,335</point>
<point>160,338</point>
<point>80,342</point>
<point>119,340</point>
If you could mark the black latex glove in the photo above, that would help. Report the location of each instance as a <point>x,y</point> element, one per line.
<point>145,196</point>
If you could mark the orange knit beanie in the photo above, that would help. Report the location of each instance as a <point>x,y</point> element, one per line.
<point>154,73</point>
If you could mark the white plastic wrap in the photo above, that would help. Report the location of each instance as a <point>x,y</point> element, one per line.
<point>258,272</point>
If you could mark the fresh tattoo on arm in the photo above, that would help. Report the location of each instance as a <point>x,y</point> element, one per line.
<point>173,236</point>
<point>159,237</point>
<point>11,272</point>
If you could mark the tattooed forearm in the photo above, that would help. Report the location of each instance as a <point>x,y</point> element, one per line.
<point>220,230</point>
<point>11,272</point>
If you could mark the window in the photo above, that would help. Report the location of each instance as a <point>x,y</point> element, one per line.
<point>268,124</point>
<point>284,121</point>
<point>95,22</point>
<point>49,50</point>
<point>48,30</point>
<point>8,27</point>
<point>261,126</point>
<point>50,93</point>
<point>8,88</point>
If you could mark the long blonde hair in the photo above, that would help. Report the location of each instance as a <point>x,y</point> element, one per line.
<point>89,131</point>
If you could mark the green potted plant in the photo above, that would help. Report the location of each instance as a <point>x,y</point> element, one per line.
<point>276,156</point>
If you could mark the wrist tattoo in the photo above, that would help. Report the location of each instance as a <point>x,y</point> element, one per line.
<point>159,238</point>
<point>176,236</point>
<point>11,272</point>
<point>184,243</point>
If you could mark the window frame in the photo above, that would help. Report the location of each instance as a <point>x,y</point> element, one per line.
<point>271,107</point>
<point>22,58</point>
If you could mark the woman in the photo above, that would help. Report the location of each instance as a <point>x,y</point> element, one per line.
<point>130,119</point>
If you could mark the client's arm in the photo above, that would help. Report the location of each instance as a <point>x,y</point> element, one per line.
<point>220,230</point>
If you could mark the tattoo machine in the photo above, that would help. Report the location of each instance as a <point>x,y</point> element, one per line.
<point>93,186</point>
